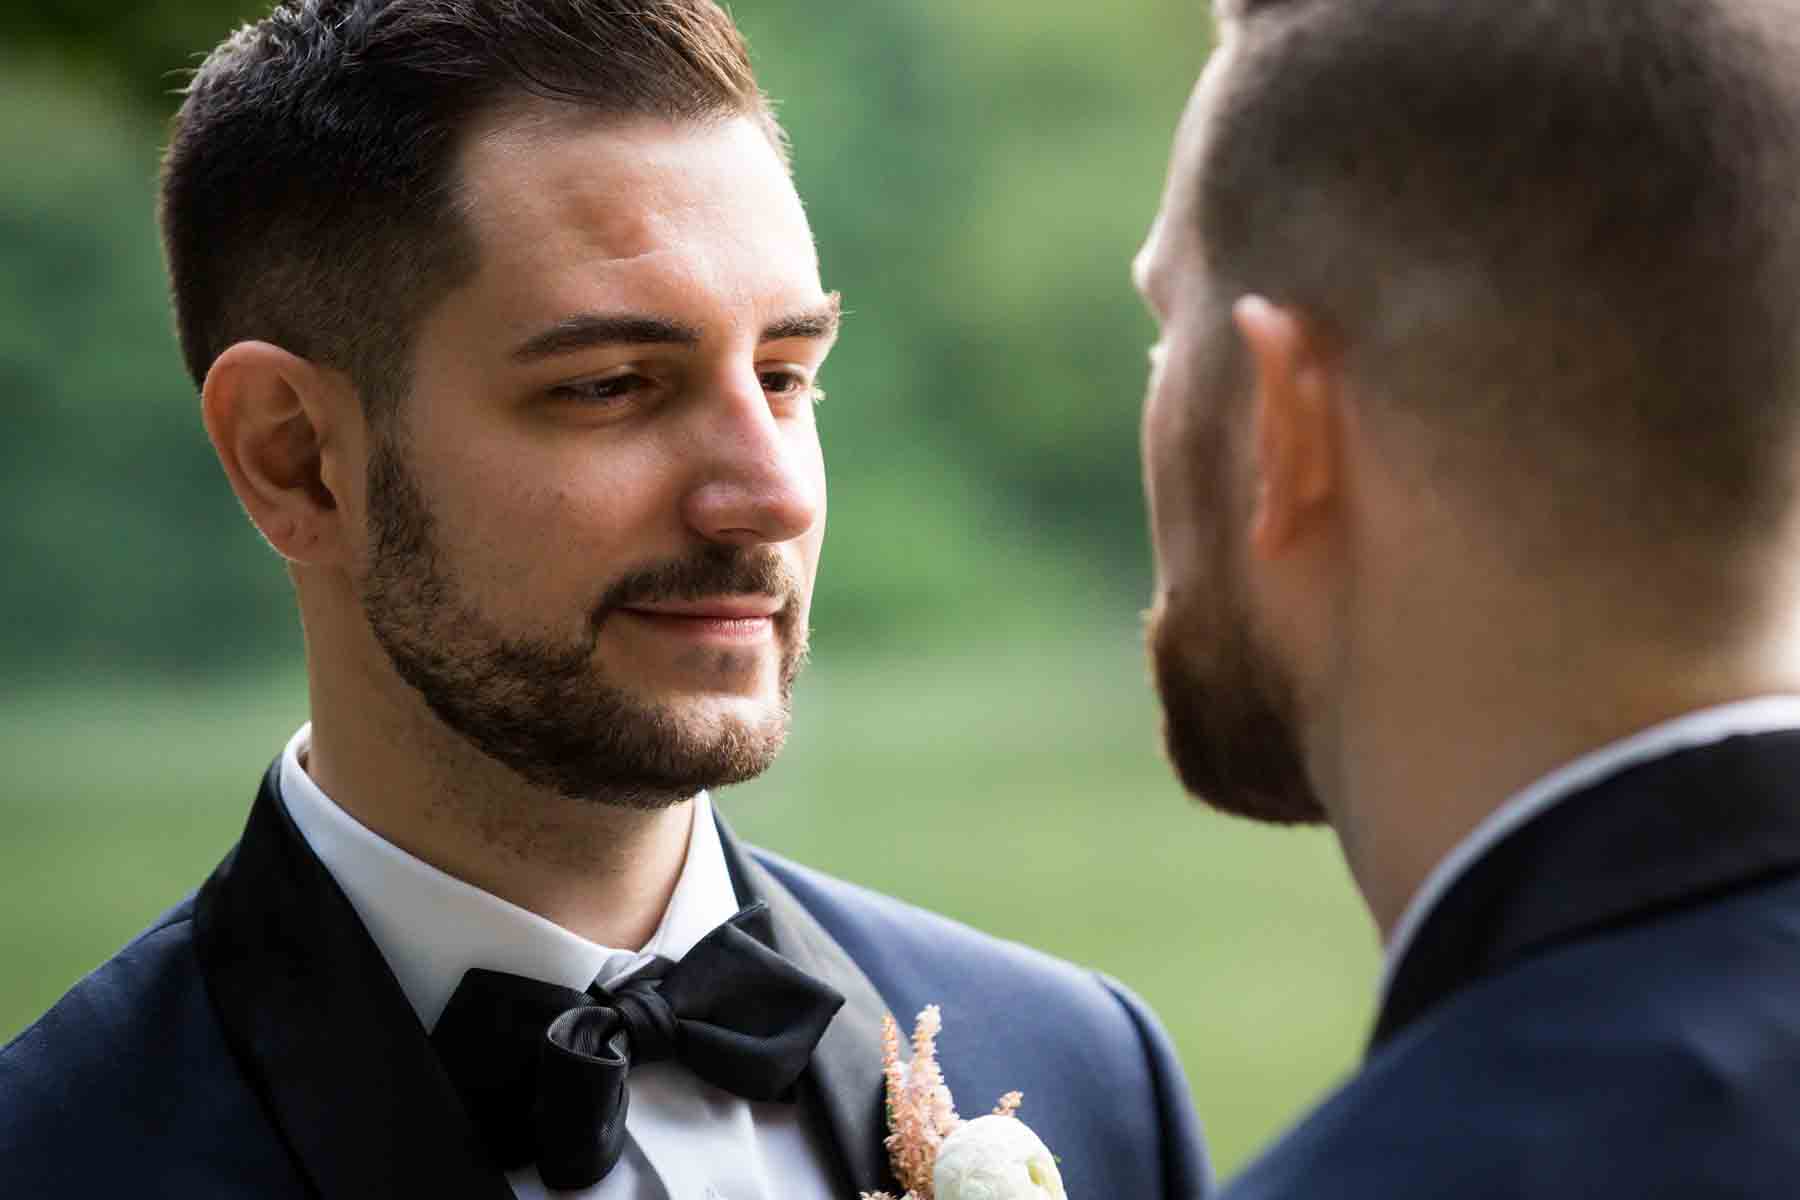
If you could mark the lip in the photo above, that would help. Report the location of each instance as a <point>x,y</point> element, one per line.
<point>712,608</point>
<point>704,627</point>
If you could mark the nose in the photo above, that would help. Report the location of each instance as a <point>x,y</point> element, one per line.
<point>760,476</point>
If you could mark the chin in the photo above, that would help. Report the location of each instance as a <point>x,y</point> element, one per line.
<point>657,748</point>
<point>702,715</point>
<point>1230,717</point>
<point>723,709</point>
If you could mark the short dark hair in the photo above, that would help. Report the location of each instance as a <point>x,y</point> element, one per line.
<point>309,192</point>
<point>1559,237</point>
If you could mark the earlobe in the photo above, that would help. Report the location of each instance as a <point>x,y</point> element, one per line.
<point>270,415</point>
<point>1293,429</point>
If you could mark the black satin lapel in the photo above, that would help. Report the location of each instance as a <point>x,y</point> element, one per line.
<point>846,1065</point>
<point>322,1029</point>
<point>1654,837</point>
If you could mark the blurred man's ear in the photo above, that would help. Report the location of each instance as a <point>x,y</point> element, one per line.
<point>276,420</point>
<point>1295,430</point>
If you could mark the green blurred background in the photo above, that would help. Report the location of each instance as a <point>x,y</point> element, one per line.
<point>976,733</point>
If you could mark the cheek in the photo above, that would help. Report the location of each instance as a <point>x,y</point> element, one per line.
<point>534,531</point>
<point>813,543</point>
<point>1184,484</point>
<point>1164,435</point>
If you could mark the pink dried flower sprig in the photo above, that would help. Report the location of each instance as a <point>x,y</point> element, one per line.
<point>920,1110</point>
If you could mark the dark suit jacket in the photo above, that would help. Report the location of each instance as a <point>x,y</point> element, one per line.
<point>1607,1004</point>
<point>252,1042</point>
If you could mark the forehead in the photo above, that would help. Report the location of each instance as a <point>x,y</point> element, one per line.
<point>1173,239</point>
<point>577,208</point>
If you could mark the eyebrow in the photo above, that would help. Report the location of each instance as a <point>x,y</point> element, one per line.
<point>587,331</point>
<point>820,324</point>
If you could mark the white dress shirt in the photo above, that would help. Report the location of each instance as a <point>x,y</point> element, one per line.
<point>1767,714</point>
<point>687,1139</point>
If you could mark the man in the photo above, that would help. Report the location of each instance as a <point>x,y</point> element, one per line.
<point>1471,459</point>
<point>507,322</point>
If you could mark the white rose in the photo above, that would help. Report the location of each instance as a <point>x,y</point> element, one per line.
<point>996,1158</point>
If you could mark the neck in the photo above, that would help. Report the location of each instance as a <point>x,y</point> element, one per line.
<point>603,871</point>
<point>1428,743</point>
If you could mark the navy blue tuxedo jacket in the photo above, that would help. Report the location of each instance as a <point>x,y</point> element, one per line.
<point>253,1042</point>
<point>1606,1004</point>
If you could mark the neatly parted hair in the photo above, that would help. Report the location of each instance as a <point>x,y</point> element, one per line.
<point>1559,237</point>
<point>309,195</point>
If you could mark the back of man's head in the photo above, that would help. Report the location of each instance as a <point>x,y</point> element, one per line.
<point>1557,239</point>
<point>309,191</point>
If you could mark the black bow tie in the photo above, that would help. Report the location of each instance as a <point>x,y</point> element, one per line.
<point>542,1068</point>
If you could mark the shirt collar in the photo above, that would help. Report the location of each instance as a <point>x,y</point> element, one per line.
<point>1765,714</point>
<point>431,927</point>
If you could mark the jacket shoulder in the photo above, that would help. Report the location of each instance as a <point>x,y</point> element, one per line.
<point>1660,1059</point>
<point>891,939</point>
<point>131,1059</point>
<point>89,1018</point>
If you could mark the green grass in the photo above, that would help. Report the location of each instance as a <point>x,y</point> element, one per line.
<point>1016,789</point>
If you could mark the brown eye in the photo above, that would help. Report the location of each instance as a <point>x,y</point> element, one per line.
<point>783,383</point>
<point>601,392</point>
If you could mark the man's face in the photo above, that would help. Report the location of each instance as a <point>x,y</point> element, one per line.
<point>1230,720</point>
<point>595,520</point>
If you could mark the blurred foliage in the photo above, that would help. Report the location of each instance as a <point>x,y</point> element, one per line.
<point>122,542</point>
<point>978,177</point>
<point>144,47</point>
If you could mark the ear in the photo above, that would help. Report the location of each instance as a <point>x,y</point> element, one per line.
<point>1294,424</point>
<point>279,423</point>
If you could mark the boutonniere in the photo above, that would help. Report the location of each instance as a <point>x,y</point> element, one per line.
<point>939,1156</point>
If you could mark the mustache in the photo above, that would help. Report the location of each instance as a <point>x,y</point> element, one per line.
<point>713,571</point>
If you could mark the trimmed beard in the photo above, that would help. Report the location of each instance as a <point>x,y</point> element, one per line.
<point>543,708</point>
<point>1229,717</point>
